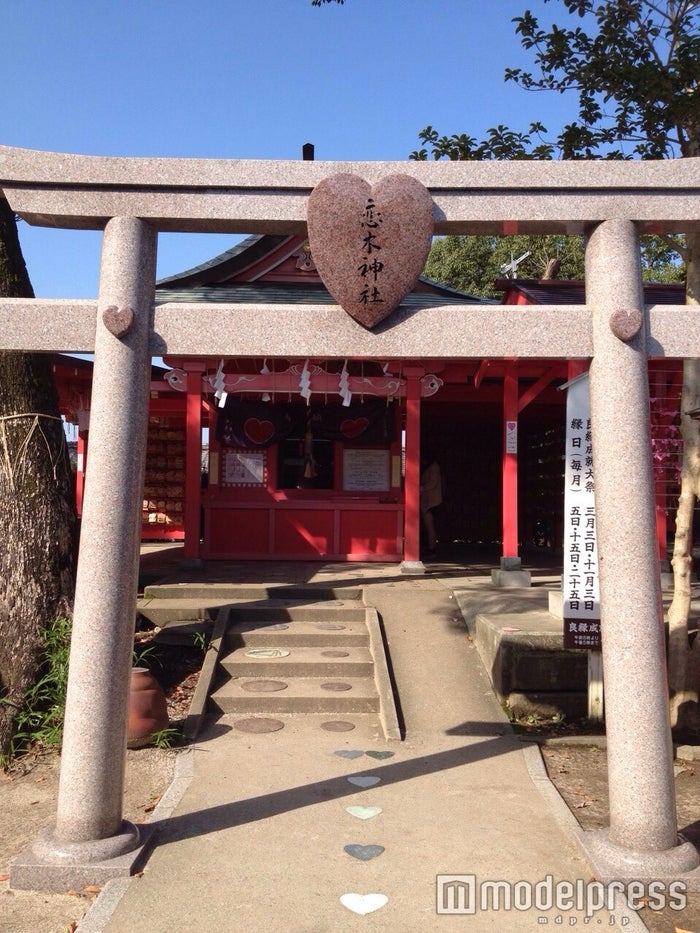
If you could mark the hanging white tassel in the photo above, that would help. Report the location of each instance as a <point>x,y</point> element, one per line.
<point>219,385</point>
<point>344,385</point>
<point>305,382</point>
<point>265,372</point>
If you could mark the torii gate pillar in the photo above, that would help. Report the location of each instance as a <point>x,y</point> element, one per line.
<point>642,839</point>
<point>90,841</point>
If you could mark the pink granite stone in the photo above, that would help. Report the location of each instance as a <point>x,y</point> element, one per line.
<point>118,321</point>
<point>626,323</point>
<point>369,242</point>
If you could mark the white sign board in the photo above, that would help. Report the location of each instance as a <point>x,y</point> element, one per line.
<point>244,468</point>
<point>580,593</point>
<point>365,470</point>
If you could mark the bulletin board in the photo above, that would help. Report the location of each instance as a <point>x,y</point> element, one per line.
<point>244,468</point>
<point>365,470</point>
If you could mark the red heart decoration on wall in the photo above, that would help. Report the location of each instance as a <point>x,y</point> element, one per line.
<point>353,427</point>
<point>258,431</point>
<point>369,243</point>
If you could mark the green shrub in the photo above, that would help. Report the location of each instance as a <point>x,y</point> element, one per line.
<point>40,718</point>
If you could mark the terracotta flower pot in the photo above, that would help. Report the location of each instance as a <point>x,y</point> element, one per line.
<point>148,710</point>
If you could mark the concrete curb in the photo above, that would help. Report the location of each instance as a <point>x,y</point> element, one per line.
<point>387,706</point>
<point>108,900</point>
<point>570,826</point>
<point>198,705</point>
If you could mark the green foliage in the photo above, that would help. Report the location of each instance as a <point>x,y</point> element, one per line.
<point>660,262</point>
<point>634,65</point>
<point>200,640</point>
<point>166,738</point>
<point>501,143</point>
<point>40,718</point>
<point>140,655</point>
<point>472,263</point>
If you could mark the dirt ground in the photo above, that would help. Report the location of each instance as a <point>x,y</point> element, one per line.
<point>28,805</point>
<point>28,794</point>
<point>580,774</point>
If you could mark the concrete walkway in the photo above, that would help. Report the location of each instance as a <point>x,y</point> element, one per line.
<point>252,834</point>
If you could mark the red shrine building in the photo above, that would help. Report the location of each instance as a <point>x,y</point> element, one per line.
<point>317,459</point>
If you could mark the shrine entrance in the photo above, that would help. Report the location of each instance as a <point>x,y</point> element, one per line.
<point>132,200</point>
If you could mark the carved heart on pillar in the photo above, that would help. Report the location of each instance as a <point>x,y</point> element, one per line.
<point>369,243</point>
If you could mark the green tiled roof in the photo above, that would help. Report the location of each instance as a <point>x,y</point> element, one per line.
<point>282,293</point>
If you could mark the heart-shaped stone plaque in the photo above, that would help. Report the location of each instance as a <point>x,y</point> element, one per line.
<point>363,903</point>
<point>364,780</point>
<point>369,242</point>
<point>364,853</point>
<point>364,813</point>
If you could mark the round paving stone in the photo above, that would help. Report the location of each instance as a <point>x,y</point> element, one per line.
<point>338,726</point>
<point>264,686</point>
<point>336,686</point>
<point>258,725</point>
<point>333,653</point>
<point>267,653</point>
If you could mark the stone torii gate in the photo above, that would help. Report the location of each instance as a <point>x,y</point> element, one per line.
<point>132,200</point>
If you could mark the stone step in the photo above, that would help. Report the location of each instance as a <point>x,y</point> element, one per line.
<point>298,695</point>
<point>298,634</point>
<point>163,611</point>
<point>319,661</point>
<point>230,592</point>
<point>291,610</point>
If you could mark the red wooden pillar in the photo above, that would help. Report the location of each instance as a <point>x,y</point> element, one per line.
<point>510,460</point>
<point>411,544</point>
<point>193,459</point>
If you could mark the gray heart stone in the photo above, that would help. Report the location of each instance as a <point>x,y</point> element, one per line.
<point>364,853</point>
<point>364,780</point>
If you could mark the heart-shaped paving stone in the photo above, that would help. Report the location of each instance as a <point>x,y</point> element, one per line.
<point>363,853</point>
<point>363,813</point>
<point>364,780</point>
<point>363,903</point>
<point>369,243</point>
<point>349,753</point>
<point>380,755</point>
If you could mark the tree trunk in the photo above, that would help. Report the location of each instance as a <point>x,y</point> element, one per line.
<point>37,513</point>
<point>684,659</point>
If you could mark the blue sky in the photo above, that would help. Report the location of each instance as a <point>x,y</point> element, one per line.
<point>249,79</point>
